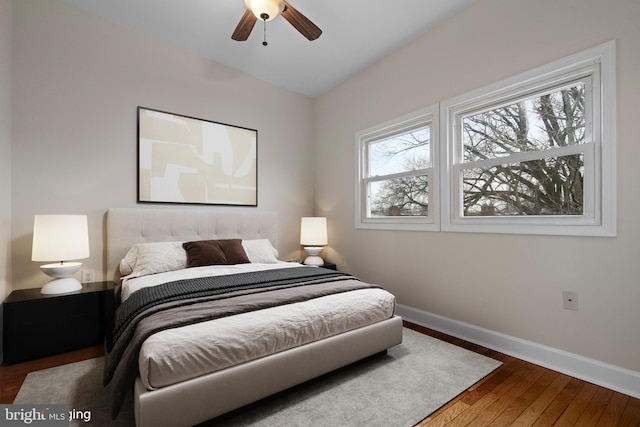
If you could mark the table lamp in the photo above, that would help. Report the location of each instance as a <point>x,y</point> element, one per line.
<point>60,238</point>
<point>313,235</point>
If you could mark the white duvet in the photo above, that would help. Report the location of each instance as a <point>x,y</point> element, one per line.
<point>187,352</point>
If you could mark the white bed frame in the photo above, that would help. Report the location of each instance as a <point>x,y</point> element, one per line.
<point>200,399</point>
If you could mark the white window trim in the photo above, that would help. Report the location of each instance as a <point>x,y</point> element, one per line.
<point>426,116</point>
<point>604,206</point>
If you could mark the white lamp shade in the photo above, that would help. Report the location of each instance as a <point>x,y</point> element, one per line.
<point>60,238</point>
<point>313,231</point>
<point>272,8</point>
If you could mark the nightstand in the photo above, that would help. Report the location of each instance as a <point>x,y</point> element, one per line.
<point>329,265</point>
<point>37,325</point>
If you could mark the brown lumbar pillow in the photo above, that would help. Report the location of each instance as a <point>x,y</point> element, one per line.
<point>215,252</point>
<point>234,251</point>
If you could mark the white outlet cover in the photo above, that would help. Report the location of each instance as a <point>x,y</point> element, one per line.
<point>87,276</point>
<point>570,300</point>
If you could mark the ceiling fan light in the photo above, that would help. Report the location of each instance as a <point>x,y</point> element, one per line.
<point>271,8</point>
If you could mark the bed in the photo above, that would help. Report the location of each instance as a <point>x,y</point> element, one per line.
<point>247,346</point>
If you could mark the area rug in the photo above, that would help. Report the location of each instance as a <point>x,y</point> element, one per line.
<point>399,388</point>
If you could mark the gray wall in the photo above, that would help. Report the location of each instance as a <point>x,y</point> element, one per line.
<point>5,147</point>
<point>506,283</point>
<point>77,82</point>
<point>5,153</point>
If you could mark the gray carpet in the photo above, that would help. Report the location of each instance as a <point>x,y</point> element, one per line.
<point>400,388</point>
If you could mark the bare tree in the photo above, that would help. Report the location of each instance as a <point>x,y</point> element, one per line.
<point>547,185</point>
<point>407,194</point>
<point>544,186</point>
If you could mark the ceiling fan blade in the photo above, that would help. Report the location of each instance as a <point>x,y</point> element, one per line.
<point>242,31</point>
<point>301,22</point>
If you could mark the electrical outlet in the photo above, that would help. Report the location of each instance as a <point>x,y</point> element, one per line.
<point>570,300</point>
<point>343,261</point>
<point>88,276</point>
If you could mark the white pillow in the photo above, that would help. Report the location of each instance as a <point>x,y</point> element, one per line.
<point>260,250</point>
<point>151,258</point>
<point>129,261</point>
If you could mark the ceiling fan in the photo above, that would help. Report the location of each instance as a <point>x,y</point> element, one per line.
<point>266,10</point>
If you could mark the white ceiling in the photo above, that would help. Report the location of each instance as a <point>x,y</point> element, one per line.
<point>356,33</point>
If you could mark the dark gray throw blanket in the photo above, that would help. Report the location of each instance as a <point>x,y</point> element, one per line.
<point>190,301</point>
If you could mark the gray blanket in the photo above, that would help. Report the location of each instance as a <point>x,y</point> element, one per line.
<point>286,287</point>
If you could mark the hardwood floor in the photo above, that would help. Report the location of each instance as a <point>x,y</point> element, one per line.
<point>516,394</point>
<point>12,376</point>
<point>520,393</point>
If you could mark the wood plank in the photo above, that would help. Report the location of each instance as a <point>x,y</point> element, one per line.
<point>492,381</point>
<point>631,415</point>
<point>614,410</point>
<point>539,405</point>
<point>511,370</point>
<point>446,416</point>
<point>522,401</point>
<point>485,410</point>
<point>570,416</point>
<point>593,412</point>
<point>560,403</point>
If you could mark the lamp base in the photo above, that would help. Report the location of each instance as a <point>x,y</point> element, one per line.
<point>313,260</point>
<point>314,255</point>
<point>60,269</point>
<point>63,285</point>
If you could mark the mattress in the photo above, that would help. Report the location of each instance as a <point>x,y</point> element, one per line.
<point>180,354</point>
<point>187,352</point>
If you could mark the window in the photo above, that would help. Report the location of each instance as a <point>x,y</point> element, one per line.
<point>534,153</point>
<point>396,178</point>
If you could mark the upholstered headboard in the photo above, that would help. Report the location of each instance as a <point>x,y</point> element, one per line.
<point>128,226</point>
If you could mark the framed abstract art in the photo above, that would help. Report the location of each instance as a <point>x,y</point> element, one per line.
<point>183,159</point>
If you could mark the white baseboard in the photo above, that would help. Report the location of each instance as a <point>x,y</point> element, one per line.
<point>603,374</point>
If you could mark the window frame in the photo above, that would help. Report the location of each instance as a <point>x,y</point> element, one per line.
<point>595,66</point>
<point>426,117</point>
